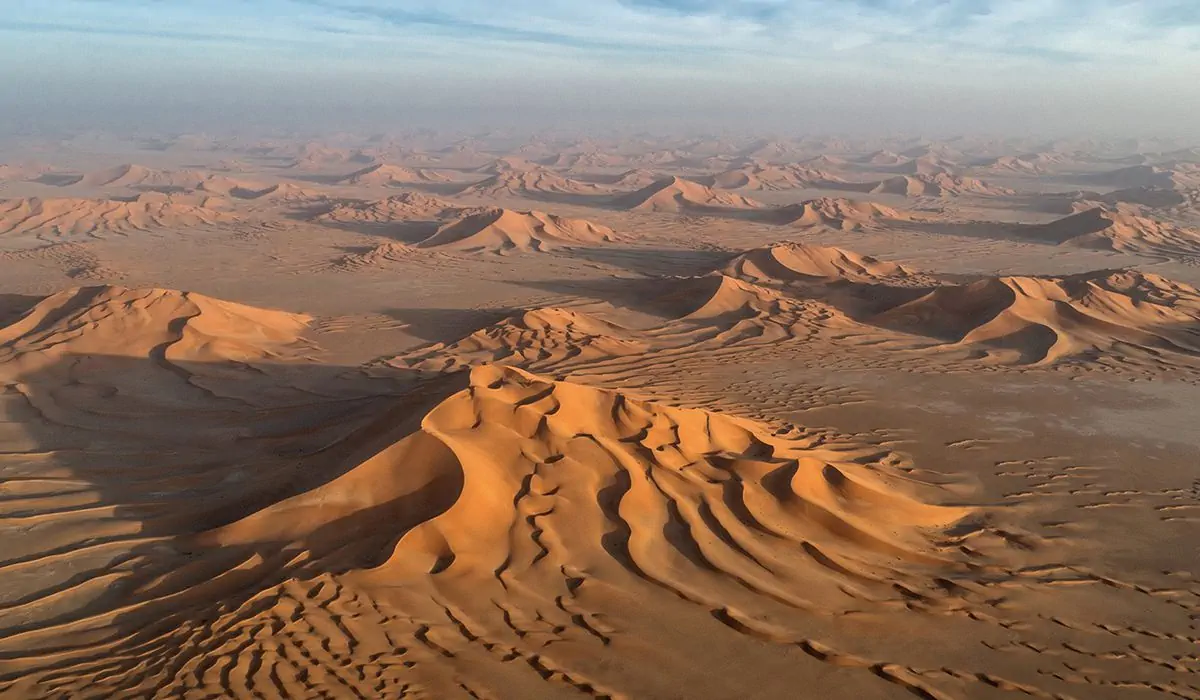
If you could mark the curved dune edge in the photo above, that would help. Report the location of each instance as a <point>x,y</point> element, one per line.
<point>672,495</point>
<point>72,216</point>
<point>1042,320</point>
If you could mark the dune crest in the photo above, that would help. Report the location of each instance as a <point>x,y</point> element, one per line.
<point>122,322</point>
<point>534,181</point>
<point>790,262</point>
<point>676,194</point>
<point>543,337</point>
<point>388,175</point>
<point>937,185</point>
<point>401,207</point>
<point>1041,320</point>
<point>1118,228</point>
<point>71,216</point>
<point>501,230</point>
<point>837,213</point>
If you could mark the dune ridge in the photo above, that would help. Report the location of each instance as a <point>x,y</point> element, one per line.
<point>72,216</point>
<point>837,213</point>
<point>502,230</point>
<point>1041,320</point>
<point>676,194</point>
<point>790,262</point>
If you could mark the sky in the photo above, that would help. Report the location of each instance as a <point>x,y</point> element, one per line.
<point>929,67</point>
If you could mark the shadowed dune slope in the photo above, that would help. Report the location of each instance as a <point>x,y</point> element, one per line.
<point>499,230</point>
<point>676,194</point>
<point>788,262</point>
<point>842,214</point>
<point>1044,319</point>
<point>1118,229</point>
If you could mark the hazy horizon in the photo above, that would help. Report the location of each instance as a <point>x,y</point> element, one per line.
<point>934,67</point>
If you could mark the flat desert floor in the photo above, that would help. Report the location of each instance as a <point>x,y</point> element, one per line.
<point>421,417</point>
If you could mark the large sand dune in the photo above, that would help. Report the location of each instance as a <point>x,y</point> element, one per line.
<point>388,175</point>
<point>837,213</point>
<point>1121,229</point>
<point>790,262</point>
<point>501,230</point>
<point>674,458</point>
<point>538,181</point>
<point>1046,319</point>
<point>70,216</point>
<point>675,194</point>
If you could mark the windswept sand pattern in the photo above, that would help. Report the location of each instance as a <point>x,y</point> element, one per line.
<point>502,416</point>
<point>87,217</point>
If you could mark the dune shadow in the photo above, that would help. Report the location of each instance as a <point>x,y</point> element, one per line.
<point>652,261</point>
<point>198,475</point>
<point>447,325</point>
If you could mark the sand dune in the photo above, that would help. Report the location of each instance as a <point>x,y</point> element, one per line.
<point>245,189</point>
<point>1118,229</point>
<point>939,185</point>
<point>1147,176</point>
<point>1041,320</point>
<point>544,337</point>
<point>925,165</point>
<point>539,181</point>
<point>117,321</point>
<point>758,176</point>
<point>1010,165</point>
<point>502,230</point>
<point>386,175</point>
<point>67,216</point>
<point>837,213</point>
<point>133,175</point>
<point>791,262</point>
<point>401,207</point>
<point>675,194</point>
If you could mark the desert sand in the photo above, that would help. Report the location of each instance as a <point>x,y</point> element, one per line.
<point>417,416</point>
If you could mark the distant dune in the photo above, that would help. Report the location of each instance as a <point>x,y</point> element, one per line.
<point>68,216</point>
<point>940,185</point>
<point>1046,319</point>
<point>837,213</point>
<point>538,181</point>
<point>1118,229</point>
<point>123,322</point>
<point>760,176</point>
<point>502,230</point>
<point>675,194</point>
<point>790,262</point>
<point>401,207</point>
<point>385,175</point>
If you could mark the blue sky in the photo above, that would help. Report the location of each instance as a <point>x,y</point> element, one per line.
<point>919,60</point>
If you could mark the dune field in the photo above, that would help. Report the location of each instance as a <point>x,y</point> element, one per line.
<point>501,417</point>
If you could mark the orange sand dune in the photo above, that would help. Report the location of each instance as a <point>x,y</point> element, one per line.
<point>502,230</point>
<point>68,216</point>
<point>531,182</point>
<point>542,337</point>
<point>244,189</point>
<point>110,320</point>
<point>790,262</point>
<point>1040,320</point>
<point>675,194</point>
<point>133,175</point>
<point>385,175</point>
<point>837,213</point>
<point>770,177</point>
<point>401,207</point>
<point>939,185</point>
<point>1121,229</point>
<point>1010,165</point>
